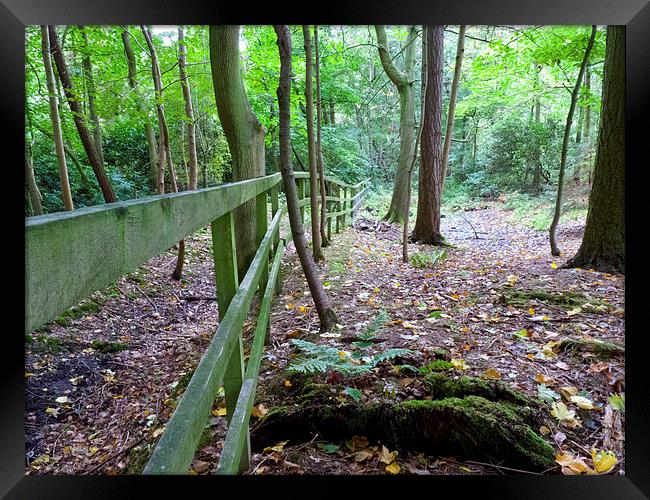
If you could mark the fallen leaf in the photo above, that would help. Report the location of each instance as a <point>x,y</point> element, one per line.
<point>564,415</point>
<point>604,461</point>
<point>553,265</point>
<point>259,411</point>
<point>393,468</point>
<point>287,383</point>
<point>568,391</point>
<point>362,455</point>
<point>62,399</point>
<point>459,364</point>
<point>544,431</point>
<point>219,412</point>
<point>278,447</point>
<point>386,456</point>
<point>328,448</point>
<point>617,401</point>
<point>357,443</point>
<point>492,374</point>
<point>572,466</point>
<point>547,381</point>
<point>584,403</point>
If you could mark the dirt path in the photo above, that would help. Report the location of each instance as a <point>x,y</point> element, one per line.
<point>116,410</point>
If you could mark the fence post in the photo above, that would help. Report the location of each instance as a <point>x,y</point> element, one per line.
<point>300,185</point>
<point>328,192</point>
<point>225,269</point>
<point>262,224</point>
<point>276,240</point>
<point>337,205</point>
<point>345,205</point>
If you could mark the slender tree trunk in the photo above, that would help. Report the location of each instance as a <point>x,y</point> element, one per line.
<point>148,128</point>
<point>332,114</point>
<point>460,51</point>
<point>244,132</point>
<point>321,300</point>
<point>603,244</point>
<point>91,93</point>
<point>565,145</point>
<point>66,192</point>
<point>313,168</point>
<point>319,150</point>
<point>35,197</point>
<point>427,223</point>
<point>77,114</point>
<point>423,80</point>
<point>189,112</point>
<point>587,131</point>
<point>403,81</point>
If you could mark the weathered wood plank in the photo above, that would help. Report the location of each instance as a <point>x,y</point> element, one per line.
<point>176,448</point>
<point>73,254</point>
<point>233,448</point>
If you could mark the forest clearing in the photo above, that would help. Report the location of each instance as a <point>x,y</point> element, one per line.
<point>444,296</point>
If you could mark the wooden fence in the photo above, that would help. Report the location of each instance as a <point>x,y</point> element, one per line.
<point>70,255</point>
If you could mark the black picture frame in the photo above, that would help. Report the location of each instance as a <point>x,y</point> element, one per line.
<point>635,14</point>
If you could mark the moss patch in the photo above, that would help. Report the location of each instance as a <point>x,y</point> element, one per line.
<point>602,349</point>
<point>106,347</point>
<point>566,299</point>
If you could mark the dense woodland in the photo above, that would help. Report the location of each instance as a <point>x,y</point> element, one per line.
<point>495,156</point>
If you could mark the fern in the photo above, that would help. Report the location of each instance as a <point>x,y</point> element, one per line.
<point>375,326</point>
<point>321,359</point>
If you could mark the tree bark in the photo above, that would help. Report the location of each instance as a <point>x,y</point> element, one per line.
<point>403,81</point>
<point>189,112</point>
<point>427,223</point>
<point>326,314</point>
<point>244,132</point>
<point>565,145</point>
<point>77,114</point>
<point>319,150</point>
<point>148,128</point>
<point>603,244</point>
<point>91,93</point>
<point>460,51</point>
<point>35,197</point>
<point>66,192</point>
<point>313,168</point>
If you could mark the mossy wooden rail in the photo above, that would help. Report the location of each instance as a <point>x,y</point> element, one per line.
<point>73,254</point>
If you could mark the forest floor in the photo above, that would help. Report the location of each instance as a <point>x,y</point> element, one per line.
<point>102,380</point>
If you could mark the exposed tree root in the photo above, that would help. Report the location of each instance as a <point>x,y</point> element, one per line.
<point>468,418</point>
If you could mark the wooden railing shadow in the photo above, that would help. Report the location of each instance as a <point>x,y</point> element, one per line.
<point>70,255</point>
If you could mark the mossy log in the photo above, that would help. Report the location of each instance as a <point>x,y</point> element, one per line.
<point>561,299</point>
<point>467,418</point>
<point>602,349</point>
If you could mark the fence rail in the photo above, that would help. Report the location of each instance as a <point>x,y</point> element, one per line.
<point>73,254</point>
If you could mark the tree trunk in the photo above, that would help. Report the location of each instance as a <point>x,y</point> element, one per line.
<point>460,50</point>
<point>244,132</point>
<point>77,113</point>
<point>91,93</point>
<point>427,223</point>
<point>403,81</point>
<point>332,117</point>
<point>319,150</point>
<point>148,128</point>
<point>189,112</point>
<point>565,145</point>
<point>35,197</point>
<point>313,168</point>
<point>603,244</point>
<point>418,137</point>
<point>321,300</point>
<point>587,131</point>
<point>66,192</point>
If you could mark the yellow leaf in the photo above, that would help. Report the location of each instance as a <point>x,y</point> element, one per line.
<point>290,306</point>
<point>584,403</point>
<point>541,379</point>
<point>52,411</point>
<point>564,415</point>
<point>342,355</point>
<point>386,456</point>
<point>259,411</point>
<point>287,383</point>
<point>40,460</point>
<point>531,311</point>
<point>278,447</point>
<point>572,466</point>
<point>568,391</point>
<point>192,472</point>
<point>410,326</point>
<point>492,374</point>
<point>544,431</point>
<point>604,461</point>
<point>219,412</point>
<point>158,432</point>
<point>393,468</point>
<point>92,450</point>
<point>376,290</point>
<point>459,364</point>
<point>553,265</point>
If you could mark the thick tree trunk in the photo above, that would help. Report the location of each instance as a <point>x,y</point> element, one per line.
<point>427,223</point>
<point>148,128</point>
<point>460,51</point>
<point>66,192</point>
<point>565,145</point>
<point>319,150</point>
<point>403,81</point>
<point>189,112</point>
<point>603,244</point>
<point>91,93</point>
<point>313,168</point>
<point>244,132</point>
<point>77,113</point>
<point>321,300</point>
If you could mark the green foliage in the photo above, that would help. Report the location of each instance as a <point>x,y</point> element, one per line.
<point>322,358</point>
<point>427,258</point>
<point>438,365</point>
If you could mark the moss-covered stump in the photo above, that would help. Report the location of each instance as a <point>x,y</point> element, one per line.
<point>566,299</point>
<point>496,424</point>
<point>602,349</point>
